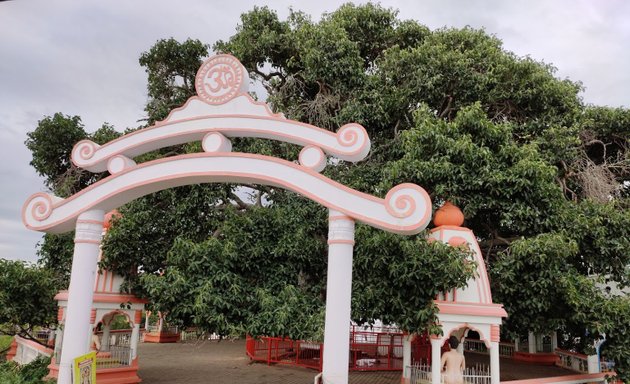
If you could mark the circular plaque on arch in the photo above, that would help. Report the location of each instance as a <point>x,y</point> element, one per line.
<point>220,78</point>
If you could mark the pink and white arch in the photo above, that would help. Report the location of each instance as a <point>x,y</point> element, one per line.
<point>221,110</point>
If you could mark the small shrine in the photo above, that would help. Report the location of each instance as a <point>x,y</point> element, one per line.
<point>115,320</point>
<point>463,309</point>
<point>157,331</point>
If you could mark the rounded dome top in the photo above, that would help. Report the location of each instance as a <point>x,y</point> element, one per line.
<point>109,216</point>
<point>448,214</point>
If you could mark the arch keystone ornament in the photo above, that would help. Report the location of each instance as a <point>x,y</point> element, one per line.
<point>220,79</point>
<point>222,110</point>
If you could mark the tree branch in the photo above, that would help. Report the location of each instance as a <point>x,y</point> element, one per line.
<point>239,202</point>
<point>268,76</point>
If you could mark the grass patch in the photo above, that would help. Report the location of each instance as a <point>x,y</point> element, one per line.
<point>5,342</point>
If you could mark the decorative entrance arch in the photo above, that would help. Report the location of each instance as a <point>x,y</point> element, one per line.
<point>222,110</point>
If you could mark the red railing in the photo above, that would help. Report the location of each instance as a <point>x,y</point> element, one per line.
<point>277,350</point>
<point>378,349</point>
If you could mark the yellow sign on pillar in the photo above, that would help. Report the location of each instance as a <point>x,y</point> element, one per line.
<point>84,369</point>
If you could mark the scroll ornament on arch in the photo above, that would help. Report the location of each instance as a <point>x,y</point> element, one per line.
<point>221,110</point>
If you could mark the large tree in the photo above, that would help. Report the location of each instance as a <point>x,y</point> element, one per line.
<point>541,177</point>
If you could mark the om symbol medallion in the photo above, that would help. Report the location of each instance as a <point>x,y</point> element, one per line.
<point>220,79</point>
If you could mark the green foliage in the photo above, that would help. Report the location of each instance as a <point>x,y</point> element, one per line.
<point>530,274</point>
<point>504,186</point>
<point>55,254</point>
<point>32,373</point>
<point>26,298</point>
<point>171,68</point>
<point>119,322</point>
<point>5,343</point>
<point>221,283</point>
<point>395,278</point>
<point>51,145</point>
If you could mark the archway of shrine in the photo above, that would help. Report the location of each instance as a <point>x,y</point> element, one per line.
<point>222,109</point>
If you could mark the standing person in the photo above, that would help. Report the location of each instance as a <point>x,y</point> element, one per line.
<point>453,364</point>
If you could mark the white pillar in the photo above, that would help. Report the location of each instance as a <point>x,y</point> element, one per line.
<point>436,357</point>
<point>135,336</point>
<point>338,298</point>
<point>106,338</point>
<point>495,373</point>
<point>147,315</point>
<point>531,342</point>
<point>554,341</point>
<point>51,337</point>
<point>58,341</point>
<point>87,243</point>
<point>516,343</point>
<point>592,362</point>
<point>407,356</point>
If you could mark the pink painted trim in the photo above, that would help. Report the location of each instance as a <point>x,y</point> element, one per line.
<point>117,312</point>
<point>80,241</point>
<point>483,285</point>
<point>197,98</point>
<point>495,333</point>
<point>340,217</point>
<point>263,178</point>
<point>97,222</point>
<point>467,325</point>
<point>106,298</point>
<point>405,202</point>
<point>34,345</point>
<point>341,135</point>
<point>36,211</point>
<point>98,277</point>
<point>483,274</point>
<point>137,319</point>
<point>451,227</point>
<point>455,309</point>
<point>320,163</point>
<point>351,242</point>
<point>105,274</point>
<point>560,379</point>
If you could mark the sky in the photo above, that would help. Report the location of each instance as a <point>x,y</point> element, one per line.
<point>81,58</point>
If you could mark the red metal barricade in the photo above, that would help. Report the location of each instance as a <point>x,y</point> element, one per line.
<point>277,350</point>
<point>378,349</point>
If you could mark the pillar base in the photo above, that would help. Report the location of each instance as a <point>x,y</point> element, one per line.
<point>122,375</point>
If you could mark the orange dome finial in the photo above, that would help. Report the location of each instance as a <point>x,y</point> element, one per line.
<point>109,216</point>
<point>448,214</point>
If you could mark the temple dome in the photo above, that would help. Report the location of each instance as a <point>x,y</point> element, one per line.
<point>448,214</point>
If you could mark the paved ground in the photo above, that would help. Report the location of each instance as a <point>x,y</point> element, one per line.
<point>225,362</point>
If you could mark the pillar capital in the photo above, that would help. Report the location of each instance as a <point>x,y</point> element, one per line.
<point>89,227</point>
<point>340,228</point>
<point>495,333</point>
